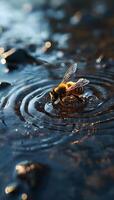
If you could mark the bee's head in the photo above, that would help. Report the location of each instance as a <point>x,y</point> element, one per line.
<point>54,95</point>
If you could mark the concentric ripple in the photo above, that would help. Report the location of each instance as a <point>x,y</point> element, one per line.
<point>37,124</point>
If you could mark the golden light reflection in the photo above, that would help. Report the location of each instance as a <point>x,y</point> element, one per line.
<point>46,46</point>
<point>8,53</point>
<point>4,54</point>
<point>20,169</point>
<point>1,50</point>
<point>8,190</point>
<point>11,188</point>
<point>23,169</point>
<point>24,196</point>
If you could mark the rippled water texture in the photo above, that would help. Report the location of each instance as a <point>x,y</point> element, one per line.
<point>74,142</point>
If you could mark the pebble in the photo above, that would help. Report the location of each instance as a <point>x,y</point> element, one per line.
<point>30,172</point>
<point>4,85</point>
<point>25,167</point>
<point>11,188</point>
<point>24,196</point>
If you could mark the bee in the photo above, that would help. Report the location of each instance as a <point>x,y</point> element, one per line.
<point>68,88</point>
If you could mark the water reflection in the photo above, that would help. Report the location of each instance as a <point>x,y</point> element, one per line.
<point>75,142</point>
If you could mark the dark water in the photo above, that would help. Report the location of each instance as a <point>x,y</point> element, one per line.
<point>76,146</point>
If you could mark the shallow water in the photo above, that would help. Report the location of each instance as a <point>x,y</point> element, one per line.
<point>75,145</point>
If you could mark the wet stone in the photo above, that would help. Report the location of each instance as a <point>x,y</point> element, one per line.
<point>19,57</point>
<point>30,172</point>
<point>11,188</point>
<point>16,59</point>
<point>4,85</point>
<point>24,196</point>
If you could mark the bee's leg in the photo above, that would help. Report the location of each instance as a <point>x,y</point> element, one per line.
<point>61,101</point>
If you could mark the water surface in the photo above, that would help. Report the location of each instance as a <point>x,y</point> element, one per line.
<point>76,145</point>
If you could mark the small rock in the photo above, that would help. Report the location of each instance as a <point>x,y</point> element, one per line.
<point>11,188</point>
<point>25,167</point>
<point>19,56</point>
<point>24,196</point>
<point>4,85</point>
<point>30,172</point>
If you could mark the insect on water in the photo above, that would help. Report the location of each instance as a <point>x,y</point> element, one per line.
<point>68,88</point>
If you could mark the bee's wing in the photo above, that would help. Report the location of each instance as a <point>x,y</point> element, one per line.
<point>80,83</point>
<point>71,70</point>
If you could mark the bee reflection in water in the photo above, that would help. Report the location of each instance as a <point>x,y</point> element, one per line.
<point>68,93</point>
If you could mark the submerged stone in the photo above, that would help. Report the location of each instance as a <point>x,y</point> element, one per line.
<point>30,172</point>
